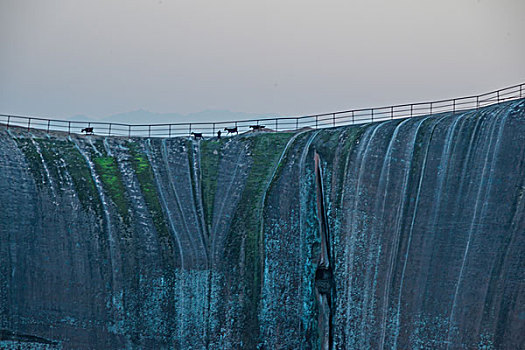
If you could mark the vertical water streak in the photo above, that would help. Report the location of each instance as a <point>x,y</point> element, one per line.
<point>107,148</point>
<point>267,187</point>
<point>467,158</point>
<point>111,238</point>
<point>359,159</point>
<point>164,202</point>
<point>192,180</point>
<point>203,230</point>
<point>384,180</point>
<point>357,195</point>
<point>71,186</point>
<point>445,159</point>
<point>95,149</point>
<point>165,158</point>
<point>443,166</point>
<point>214,232</point>
<point>397,227</point>
<point>46,169</point>
<point>350,245</point>
<point>183,271</point>
<point>272,176</point>
<point>484,186</point>
<point>414,214</point>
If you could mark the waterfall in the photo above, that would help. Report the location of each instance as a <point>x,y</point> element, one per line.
<point>493,143</point>
<point>48,174</point>
<point>165,205</point>
<point>107,218</point>
<point>402,234</point>
<point>410,232</point>
<point>196,169</point>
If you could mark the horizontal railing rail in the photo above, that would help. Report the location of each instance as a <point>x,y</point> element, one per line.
<point>314,121</point>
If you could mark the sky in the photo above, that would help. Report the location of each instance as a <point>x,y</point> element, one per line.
<point>60,58</point>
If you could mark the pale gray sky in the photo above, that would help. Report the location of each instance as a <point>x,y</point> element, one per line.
<point>99,57</point>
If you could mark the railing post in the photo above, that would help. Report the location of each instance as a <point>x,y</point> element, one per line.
<point>8,119</point>
<point>372,114</point>
<point>213,128</point>
<point>149,130</point>
<point>430,108</point>
<point>189,129</point>
<point>454,106</point>
<point>129,131</point>
<point>497,94</point>
<point>477,102</point>
<point>392,112</point>
<point>169,130</point>
<point>296,124</point>
<point>109,131</point>
<point>411,111</point>
<point>28,123</point>
<point>316,118</point>
<point>353,117</point>
<point>276,124</point>
<point>48,121</point>
<point>333,119</point>
<point>69,128</point>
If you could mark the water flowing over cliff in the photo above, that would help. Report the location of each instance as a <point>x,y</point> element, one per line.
<point>402,234</point>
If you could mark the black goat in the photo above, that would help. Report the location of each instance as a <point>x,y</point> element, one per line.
<point>232,130</point>
<point>88,131</point>
<point>257,127</point>
<point>197,135</point>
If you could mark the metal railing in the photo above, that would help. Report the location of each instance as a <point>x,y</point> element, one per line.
<point>333,119</point>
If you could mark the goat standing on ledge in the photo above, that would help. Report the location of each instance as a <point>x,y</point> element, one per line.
<point>232,130</point>
<point>88,131</point>
<point>197,135</point>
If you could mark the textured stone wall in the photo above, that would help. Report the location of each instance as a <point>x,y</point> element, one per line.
<point>401,234</point>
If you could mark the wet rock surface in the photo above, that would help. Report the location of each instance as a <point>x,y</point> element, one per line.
<point>402,234</point>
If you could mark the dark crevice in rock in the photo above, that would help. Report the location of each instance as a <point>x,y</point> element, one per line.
<point>324,283</point>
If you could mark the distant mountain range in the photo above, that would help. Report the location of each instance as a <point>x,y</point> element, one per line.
<point>142,116</point>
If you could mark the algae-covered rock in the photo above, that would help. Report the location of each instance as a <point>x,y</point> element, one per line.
<point>402,234</point>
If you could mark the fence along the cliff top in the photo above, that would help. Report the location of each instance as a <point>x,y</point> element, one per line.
<point>356,116</point>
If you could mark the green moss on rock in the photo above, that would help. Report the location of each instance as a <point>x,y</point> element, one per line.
<point>33,160</point>
<point>146,179</point>
<point>210,156</point>
<point>265,151</point>
<point>62,158</point>
<point>81,177</point>
<point>107,169</point>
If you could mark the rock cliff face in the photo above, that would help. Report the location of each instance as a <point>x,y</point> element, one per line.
<point>401,234</point>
